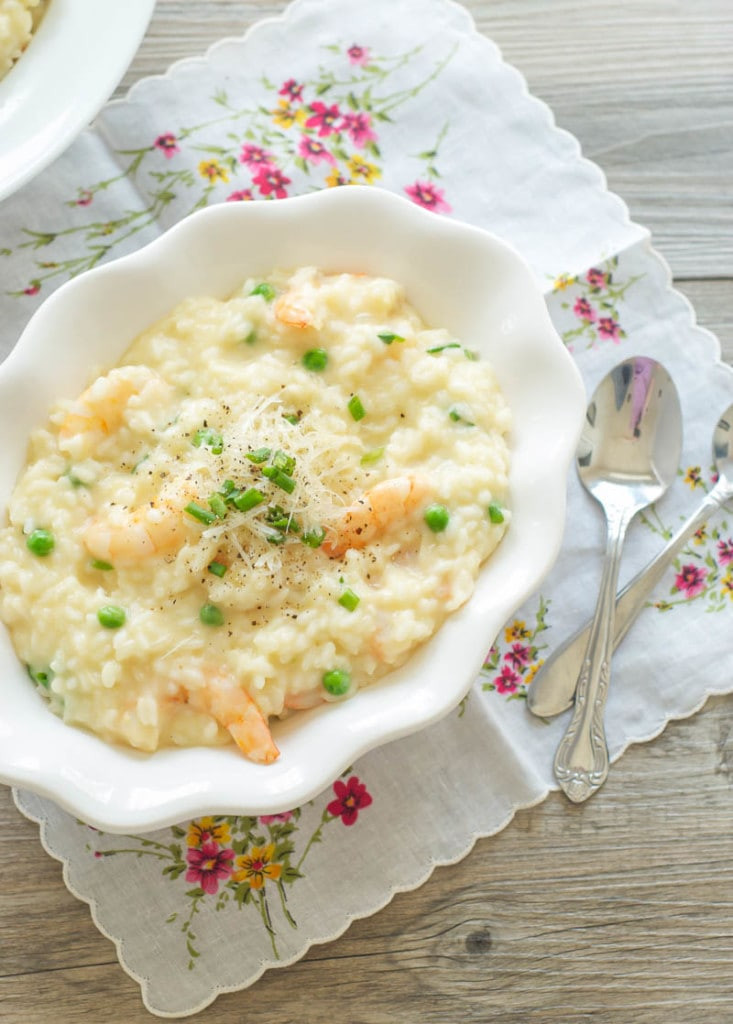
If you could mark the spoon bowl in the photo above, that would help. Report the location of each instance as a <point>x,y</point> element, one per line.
<point>627,457</point>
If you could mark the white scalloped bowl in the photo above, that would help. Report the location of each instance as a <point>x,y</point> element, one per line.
<point>457,277</point>
<point>75,59</point>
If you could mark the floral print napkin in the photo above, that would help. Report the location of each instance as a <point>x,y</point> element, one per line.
<point>328,95</point>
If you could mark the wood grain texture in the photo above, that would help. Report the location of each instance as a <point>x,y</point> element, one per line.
<point>619,911</point>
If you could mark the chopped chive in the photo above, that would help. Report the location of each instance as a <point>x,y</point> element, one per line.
<point>315,537</point>
<point>389,336</point>
<point>217,568</point>
<point>276,538</point>
<point>336,682</point>
<point>368,458</point>
<point>259,455</point>
<point>245,500</point>
<point>265,290</point>
<point>496,513</point>
<point>349,600</point>
<point>315,359</point>
<point>207,438</point>
<point>97,563</point>
<point>457,416</point>
<point>473,356</point>
<point>281,520</point>
<point>251,338</point>
<point>281,460</point>
<point>292,418</point>
<point>437,517</point>
<point>111,616</point>
<point>227,488</point>
<point>42,676</point>
<point>210,615</point>
<point>280,479</point>
<point>202,514</point>
<point>217,505</point>
<point>355,407</point>
<point>40,542</point>
<point>139,463</point>
<point>442,348</point>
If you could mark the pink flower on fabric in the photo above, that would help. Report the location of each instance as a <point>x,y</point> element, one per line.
<point>597,278</point>
<point>271,181</point>
<point>608,328</point>
<point>167,144</point>
<point>585,311</point>
<point>255,156</point>
<point>241,195</point>
<point>351,797</point>
<point>691,580</point>
<point>425,194</point>
<point>519,656</point>
<point>358,54</point>
<point>725,551</point>
<point>359,128</point>
<point>85,198</point>
<point>323,118</point>
<point>507,681</point>
<point>292,89</point>
<point>271,819</point>
<point>315,152</point>
<point>33,288</point>
<point>208,866</point>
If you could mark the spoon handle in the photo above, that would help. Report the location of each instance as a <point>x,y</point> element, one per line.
<point>553,689</point>
<point>581,761</point>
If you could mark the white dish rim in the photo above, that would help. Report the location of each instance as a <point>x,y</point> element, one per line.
<point>107,786</point>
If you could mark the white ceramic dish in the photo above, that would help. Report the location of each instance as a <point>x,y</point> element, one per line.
<point>457,277</point>
<point>74,61</point>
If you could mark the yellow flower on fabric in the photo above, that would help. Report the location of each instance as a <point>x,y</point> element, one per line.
<point>257,866</point>
<point>363,171</point>
<point>286,116</point>
<point>517,631</point>
<point>533,671</point>
<point>726,584</point>
<point>701,535</point>
<point>692,477</point>
<point>562,282</point>
<point>207,830</point>
<point>335,178</point>
<point>213,170</point>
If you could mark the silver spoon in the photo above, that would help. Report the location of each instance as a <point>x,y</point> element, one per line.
<point>553,688</point>
<point>627,457</point>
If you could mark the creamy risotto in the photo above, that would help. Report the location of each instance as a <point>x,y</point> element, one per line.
<point>18,20</point>
<point>268,504</point>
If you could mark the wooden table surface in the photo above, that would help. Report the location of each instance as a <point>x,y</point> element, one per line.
<point>619,911</point>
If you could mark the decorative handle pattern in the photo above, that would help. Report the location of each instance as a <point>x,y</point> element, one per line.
<point>581,761</point>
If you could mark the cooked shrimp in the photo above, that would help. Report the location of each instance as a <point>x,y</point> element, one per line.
<point>293,310</point>
<point>233,708</point>
<point>303,701</point>
<point>100,410</point>
<point>368,516</point>
<point>131,535</point>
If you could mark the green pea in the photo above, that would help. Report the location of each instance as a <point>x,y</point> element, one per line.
<point>210,615</point>
<point>496,513</point>
<point>315,359</point>
<point>336,682</point>
<point>41,542</point>
<point>437,517</point>
<point>111,616</point>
